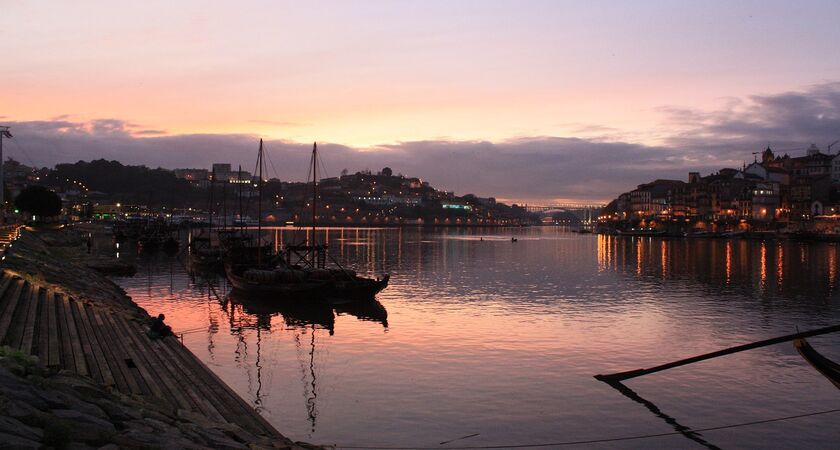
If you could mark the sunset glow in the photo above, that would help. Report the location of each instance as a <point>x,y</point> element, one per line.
<point>393,73</point>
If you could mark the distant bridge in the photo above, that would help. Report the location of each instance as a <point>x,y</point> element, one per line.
<point>563,207</point>
<point>586,212</point>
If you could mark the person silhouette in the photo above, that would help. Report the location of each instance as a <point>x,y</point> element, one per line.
<point>158,329</point>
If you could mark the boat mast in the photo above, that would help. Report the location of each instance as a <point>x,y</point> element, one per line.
<point>224,201</point>
<point>259,203</point>
<point>314,199</point>
<point>239,181</point>
<point>210,213</point>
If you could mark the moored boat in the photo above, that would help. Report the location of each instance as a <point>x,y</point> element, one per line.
<point>283,283</point>
<point>300,270</point>
<point>825,366</point>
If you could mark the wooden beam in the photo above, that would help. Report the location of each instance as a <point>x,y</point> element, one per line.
<point>620,376</point>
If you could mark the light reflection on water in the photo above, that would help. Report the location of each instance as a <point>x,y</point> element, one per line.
<point>478,334</point>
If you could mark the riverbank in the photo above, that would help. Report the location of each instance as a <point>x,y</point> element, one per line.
<point>77,368</point>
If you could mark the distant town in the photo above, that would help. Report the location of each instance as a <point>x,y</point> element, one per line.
<point>109,190</point>
<point>774,194</point>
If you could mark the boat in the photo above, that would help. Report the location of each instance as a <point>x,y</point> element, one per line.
<point>344,284</point>
<point>282,283</point>
<point>204,257</point>
<point>825,366</point>
<point>301,270</point>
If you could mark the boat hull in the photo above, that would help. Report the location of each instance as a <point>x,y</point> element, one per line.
<point>307,290</point>
<point>825,366</point>
<point>359,289</point>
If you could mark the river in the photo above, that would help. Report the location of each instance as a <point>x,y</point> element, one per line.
<point>496,342</point>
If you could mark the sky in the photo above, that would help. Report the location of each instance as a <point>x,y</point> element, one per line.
<point>528,101</point>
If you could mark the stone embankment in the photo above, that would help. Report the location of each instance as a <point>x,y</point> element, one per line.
<point>77,369</point>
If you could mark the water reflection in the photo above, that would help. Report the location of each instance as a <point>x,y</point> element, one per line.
<point>682,429</point>
<point>295,314</point>
<point>740,261</point>
<point>475,326</point>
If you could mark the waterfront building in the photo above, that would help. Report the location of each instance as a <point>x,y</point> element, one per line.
<point>835,169</point>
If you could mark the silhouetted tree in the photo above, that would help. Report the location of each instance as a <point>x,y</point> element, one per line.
<point>387,172</point>
<point>39,201</point>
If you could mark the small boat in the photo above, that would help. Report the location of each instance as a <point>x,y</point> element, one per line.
<point>825,366</point>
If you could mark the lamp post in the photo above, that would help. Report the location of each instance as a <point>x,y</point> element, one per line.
<point>4,132</point>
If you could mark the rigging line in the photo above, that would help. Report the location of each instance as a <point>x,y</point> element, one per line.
<point>324,172</point>
<point>603,440</point>
<point>25,153</point>
<point>271,163</point>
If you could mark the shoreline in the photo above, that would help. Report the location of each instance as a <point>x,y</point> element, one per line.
<point>64,324</point>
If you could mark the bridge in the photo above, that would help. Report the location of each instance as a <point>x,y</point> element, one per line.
<point>585,212</point>
<point>563,207</point>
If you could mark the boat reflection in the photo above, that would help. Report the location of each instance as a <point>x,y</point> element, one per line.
<point>295,314</point>
<point>303,319</point>
<point>370,310</point>
<point>682,429</point>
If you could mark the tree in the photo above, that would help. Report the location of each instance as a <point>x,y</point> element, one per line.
<point>387,172</point>
<point>39,201</point>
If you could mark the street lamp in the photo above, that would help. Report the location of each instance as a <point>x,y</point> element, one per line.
<point>4,132</point>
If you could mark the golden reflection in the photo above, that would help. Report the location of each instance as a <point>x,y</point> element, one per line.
<point>780,264</point>
<point>728,262</point>
<point>664,259</point>
<point>832,266</point>
<point>602,253</point>
<point>639,257</point>
<point>763,264</point>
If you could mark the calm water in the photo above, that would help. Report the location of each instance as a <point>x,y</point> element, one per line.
<point>481,335</point>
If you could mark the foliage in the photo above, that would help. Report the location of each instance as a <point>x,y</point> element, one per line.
<point>131,184</point>
<point>39,201</point>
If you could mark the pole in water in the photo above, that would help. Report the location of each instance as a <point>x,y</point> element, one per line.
<point>619,376</point>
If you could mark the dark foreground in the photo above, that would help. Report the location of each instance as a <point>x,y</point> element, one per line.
<point>77,366</point>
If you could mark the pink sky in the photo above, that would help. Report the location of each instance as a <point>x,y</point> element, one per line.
<point>371,73</point>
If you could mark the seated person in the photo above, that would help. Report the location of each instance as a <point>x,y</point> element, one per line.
<point>157,329</point>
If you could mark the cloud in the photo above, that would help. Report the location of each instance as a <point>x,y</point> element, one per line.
<point>788,121</point>
<point>535,169</point>
<point>148,132</point>
<point>521,169</point>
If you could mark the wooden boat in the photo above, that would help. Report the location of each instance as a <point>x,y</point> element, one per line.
<point>300,271</point>
<point>825,366</point>
<point>247,278</point>
<point>344,284</point>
